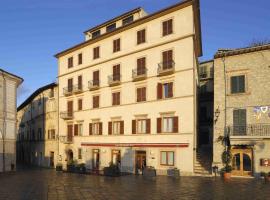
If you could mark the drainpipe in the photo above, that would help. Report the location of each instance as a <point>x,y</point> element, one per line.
<point>4,122</point>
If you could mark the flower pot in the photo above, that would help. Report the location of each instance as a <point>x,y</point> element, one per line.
<point>267,178</point>
<point>227,175</point>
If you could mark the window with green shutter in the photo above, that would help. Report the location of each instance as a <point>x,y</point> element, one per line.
<point>239,121</point>
<point>238,84</point>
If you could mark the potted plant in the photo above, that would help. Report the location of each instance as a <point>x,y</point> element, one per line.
<point>59,167</point>
<point>149,171</point>
<point>80,168</point>
<point>266,176</point>
<point>226,155</point>
<point>173,172</point>
<point>112,170</point>
<point>71,166</point>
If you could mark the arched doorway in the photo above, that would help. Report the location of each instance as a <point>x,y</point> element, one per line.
<point>69,155</point>
<point>242,161</point>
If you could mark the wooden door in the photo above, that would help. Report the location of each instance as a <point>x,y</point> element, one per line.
<point>70,108</point>
<point>51,159</point>
<point>242,162</point>
<point>140,161</point>
<point>116,73</point>
<point>96,159</point>
<point>70,132</point>
<point>70,84</point>
<point>96,78</point>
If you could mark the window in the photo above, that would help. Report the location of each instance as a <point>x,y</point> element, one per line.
<point>95,101</point>
<point>51,95</point>
<point>80,59</point>
<point>70,108</point>
<point>167,60</point>
<point>80,104</point>
<point>167,158</point>
<point>51,134</point>
<point>167,124</point>
<point>141,126</point>
<point>116,98</point>
<point>80,86</point>
<point>40,137</point>
<point>95,34</point>
<point>165,90</point>
<point>111,27</point>
<point>95,128</point>
<point>116,157</point>
<point>70,85</point>
<point>96,78</point>
<point>141,94</point>
<point>238,84</point>
<point>141,68</point>
<point>70,62</point>
<point>116,73</point>
<point>141,36</point>
<point>127,20</point>
<point>96,53</point>
<point>116,45</point>
<point>79,153</point>
<point>167,27</point>
<point>78,129</point>
<point>203,72</point>
<point>239,121</point>
<point>116,127</point>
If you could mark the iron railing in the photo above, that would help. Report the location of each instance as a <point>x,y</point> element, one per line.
<point>167,66</point>
<point>139,73</point>
<point>250,130</point>
<point>94,84</point>
<point>114,79</point>
<point>66,115</point>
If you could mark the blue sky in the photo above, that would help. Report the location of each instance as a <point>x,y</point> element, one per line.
<point>32,31</point>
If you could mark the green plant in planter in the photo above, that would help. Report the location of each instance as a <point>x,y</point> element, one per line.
<point>59,167</point>
<point>226,154</point>
<point>71,165</point>
<point>112,170</point>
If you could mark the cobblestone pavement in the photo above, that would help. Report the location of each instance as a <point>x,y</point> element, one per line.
<point>47,184</point>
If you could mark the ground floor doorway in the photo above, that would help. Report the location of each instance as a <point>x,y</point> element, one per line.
<point>140,161</point>
<point>242,161</point>
<point>96,158</point>
<point>51,159</point>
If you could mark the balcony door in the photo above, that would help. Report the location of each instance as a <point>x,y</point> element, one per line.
<point>239,122</point>
<point>242,162</point>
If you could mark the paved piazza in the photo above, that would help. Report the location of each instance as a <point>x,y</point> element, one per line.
<point>48,184</point>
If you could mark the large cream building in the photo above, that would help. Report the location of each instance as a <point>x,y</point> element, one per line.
<point>128,93</point>
<point>8,100</point>
<point>37,137</point>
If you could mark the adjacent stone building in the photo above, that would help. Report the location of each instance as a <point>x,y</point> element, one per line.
<point>8,102</point>
<point>128,94</point>
<point>242,108</point>
<point>37,139</point>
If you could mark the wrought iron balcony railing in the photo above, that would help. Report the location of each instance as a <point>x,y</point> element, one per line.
<point>77,88</point>
<point>250,130</point>
<point>166,67</point>
<point>68,90</point>
<point>139,74</point>
<point>114,79</point>
<point>66,115</point>
<point>93,85</point>
<point>65,139</point>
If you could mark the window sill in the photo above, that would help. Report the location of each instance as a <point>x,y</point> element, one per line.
<point>239,94</point>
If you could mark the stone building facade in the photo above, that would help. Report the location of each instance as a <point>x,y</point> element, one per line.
<point>128,94</point>
<point>8,100</point>
<point>37,137</point>
<point>241,108</point>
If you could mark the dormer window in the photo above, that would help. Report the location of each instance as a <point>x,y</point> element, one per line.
<point>95,34</point>
<point>127,20</point>
<point>111,27</point>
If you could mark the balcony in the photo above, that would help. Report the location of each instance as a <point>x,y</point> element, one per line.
<point>138,75</point>
<point>114,80</point>
<point>67,91</point>
<point>93,85</point>
<point>77,89</point>
<point>66,115</point>
<point>65,139</point>
<point>255,130</point>
<point>166,68</point>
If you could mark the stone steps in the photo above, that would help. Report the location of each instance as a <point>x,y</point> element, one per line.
<point>203,164</point>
